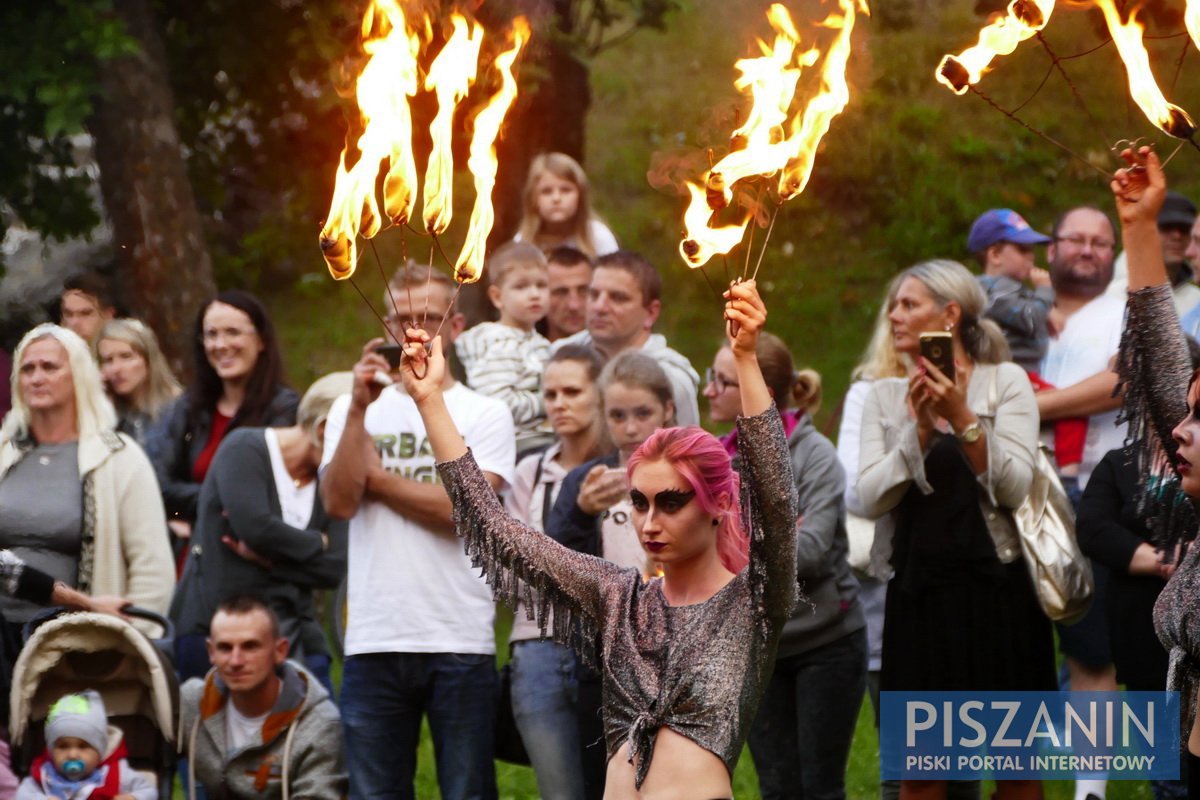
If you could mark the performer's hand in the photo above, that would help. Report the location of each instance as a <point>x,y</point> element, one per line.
<point>1139,188</point>
<point>745,316</point>
<point>422,370</point>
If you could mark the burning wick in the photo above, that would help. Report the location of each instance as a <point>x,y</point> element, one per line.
<point>337,256</point>
<point>1029,13</point>
<point>690,248</point>
<point>714,191</point>
<point>955,74</point>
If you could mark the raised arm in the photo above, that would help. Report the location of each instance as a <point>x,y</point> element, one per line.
<point>570,583</point>
<point>1154,364</point>
<point>767,483</point>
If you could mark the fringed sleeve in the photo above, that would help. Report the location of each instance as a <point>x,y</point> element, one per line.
<point>1155,369</point>
<point>515,558</point>
<point>769,511</point>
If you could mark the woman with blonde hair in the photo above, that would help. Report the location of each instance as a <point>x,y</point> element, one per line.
<point>801,737</point>
<point>136,375</point>
<point>558,210</point>
<point>105,532</point>
<point>961,610</point>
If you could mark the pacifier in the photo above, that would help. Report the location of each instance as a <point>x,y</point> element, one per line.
<point>74,769</point>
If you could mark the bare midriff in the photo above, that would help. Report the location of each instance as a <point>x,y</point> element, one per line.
<point>679,770</point>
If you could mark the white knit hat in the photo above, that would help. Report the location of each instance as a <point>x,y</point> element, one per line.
<point>80,715</point>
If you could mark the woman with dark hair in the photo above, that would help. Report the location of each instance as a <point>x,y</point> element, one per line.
<point>801,737</point>
<point>238,383</point>
<point>685,656</point>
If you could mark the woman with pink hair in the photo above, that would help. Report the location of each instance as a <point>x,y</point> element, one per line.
<point>684,657</point>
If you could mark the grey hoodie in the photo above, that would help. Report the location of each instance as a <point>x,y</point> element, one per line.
<point>685,381</point>
<point>298,752</point>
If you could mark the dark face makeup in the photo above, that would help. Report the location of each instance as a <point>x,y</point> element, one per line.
<point>668,500</point>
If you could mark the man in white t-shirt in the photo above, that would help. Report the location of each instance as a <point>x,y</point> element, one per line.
<point>1079,362</point>
<point>419,637</point>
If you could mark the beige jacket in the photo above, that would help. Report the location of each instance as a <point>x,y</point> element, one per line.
<point>125,550</point>
<point>891,458</point>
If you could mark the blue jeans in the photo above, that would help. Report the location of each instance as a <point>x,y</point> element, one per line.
<point>544,697</point>
<point>384,696</point>
<point>801,737</point>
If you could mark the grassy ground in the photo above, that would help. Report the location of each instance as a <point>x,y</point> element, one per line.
<point>899,178</point>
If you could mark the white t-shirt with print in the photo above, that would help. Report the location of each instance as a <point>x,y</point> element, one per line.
<point>1088,342</point>
<point>413,590</point>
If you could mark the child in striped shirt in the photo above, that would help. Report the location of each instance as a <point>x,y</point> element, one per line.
<point>504,359</point>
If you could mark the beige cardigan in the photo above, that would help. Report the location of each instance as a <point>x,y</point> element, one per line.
<point>891,458</point>
<point>125,549</point>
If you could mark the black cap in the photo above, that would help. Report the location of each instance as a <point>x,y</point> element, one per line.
<point>1177,212</point>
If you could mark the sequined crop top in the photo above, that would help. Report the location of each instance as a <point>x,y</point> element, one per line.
<point>698,669</point>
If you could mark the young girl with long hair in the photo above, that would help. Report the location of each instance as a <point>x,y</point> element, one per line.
<point>558,210</point>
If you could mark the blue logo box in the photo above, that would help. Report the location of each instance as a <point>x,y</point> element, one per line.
<point>1029,735</point>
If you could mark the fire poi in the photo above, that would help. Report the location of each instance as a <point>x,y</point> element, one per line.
<point>390,78</point>
<point>1027,18</point>
<point>773,143</point>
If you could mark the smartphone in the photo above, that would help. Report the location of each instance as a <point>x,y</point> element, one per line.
<point>392,353</point>
<point>938,348</point>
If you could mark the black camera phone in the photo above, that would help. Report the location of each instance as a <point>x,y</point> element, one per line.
<point>938,348</point>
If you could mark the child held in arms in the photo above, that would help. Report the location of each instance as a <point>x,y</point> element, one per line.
<point>84,757</point>
<point>504,359</point>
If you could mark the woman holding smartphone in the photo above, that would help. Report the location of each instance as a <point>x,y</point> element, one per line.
<point>943,462</point>
<point>684,657</point>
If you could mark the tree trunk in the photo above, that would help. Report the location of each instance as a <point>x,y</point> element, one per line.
<point>157,232</point>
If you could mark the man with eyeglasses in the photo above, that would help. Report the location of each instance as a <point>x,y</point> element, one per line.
<point>1079,361</point>
<point>419,634</point>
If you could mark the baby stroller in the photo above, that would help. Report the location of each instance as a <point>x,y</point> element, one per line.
<point>68,652</point>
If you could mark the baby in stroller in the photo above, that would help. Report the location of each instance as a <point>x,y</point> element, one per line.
<point>84,756</point>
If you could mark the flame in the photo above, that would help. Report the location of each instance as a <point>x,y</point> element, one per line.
<point>450,76</point>
<point>758,147</point>
<point>1168,117</point>
<point>808,131</point>
<point>387,80</point>
<point>1001,37</point>
<point>1191,18</point>
<point>761,146</point>
<point>701,242</point>
<point>482,162</point>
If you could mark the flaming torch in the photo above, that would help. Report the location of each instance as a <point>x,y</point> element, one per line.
<point>1168,117</point>
<point>765,145</point>
<point>387,80</point>
<point>1000,38</point>
<point>384,89</point>
<point>482,162</point>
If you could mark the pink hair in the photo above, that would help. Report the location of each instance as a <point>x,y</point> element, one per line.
<point>705,465</point>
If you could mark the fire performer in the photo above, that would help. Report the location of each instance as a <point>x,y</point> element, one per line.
<point>1161,392</point>
<point>684,657</point>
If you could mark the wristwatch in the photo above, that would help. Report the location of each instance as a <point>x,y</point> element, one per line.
<point>971,433</point>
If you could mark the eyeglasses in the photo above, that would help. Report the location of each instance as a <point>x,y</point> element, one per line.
<point>1100,245</point>
<point>430,322</point>
<point>214,335</point>
<point>719,383</point>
